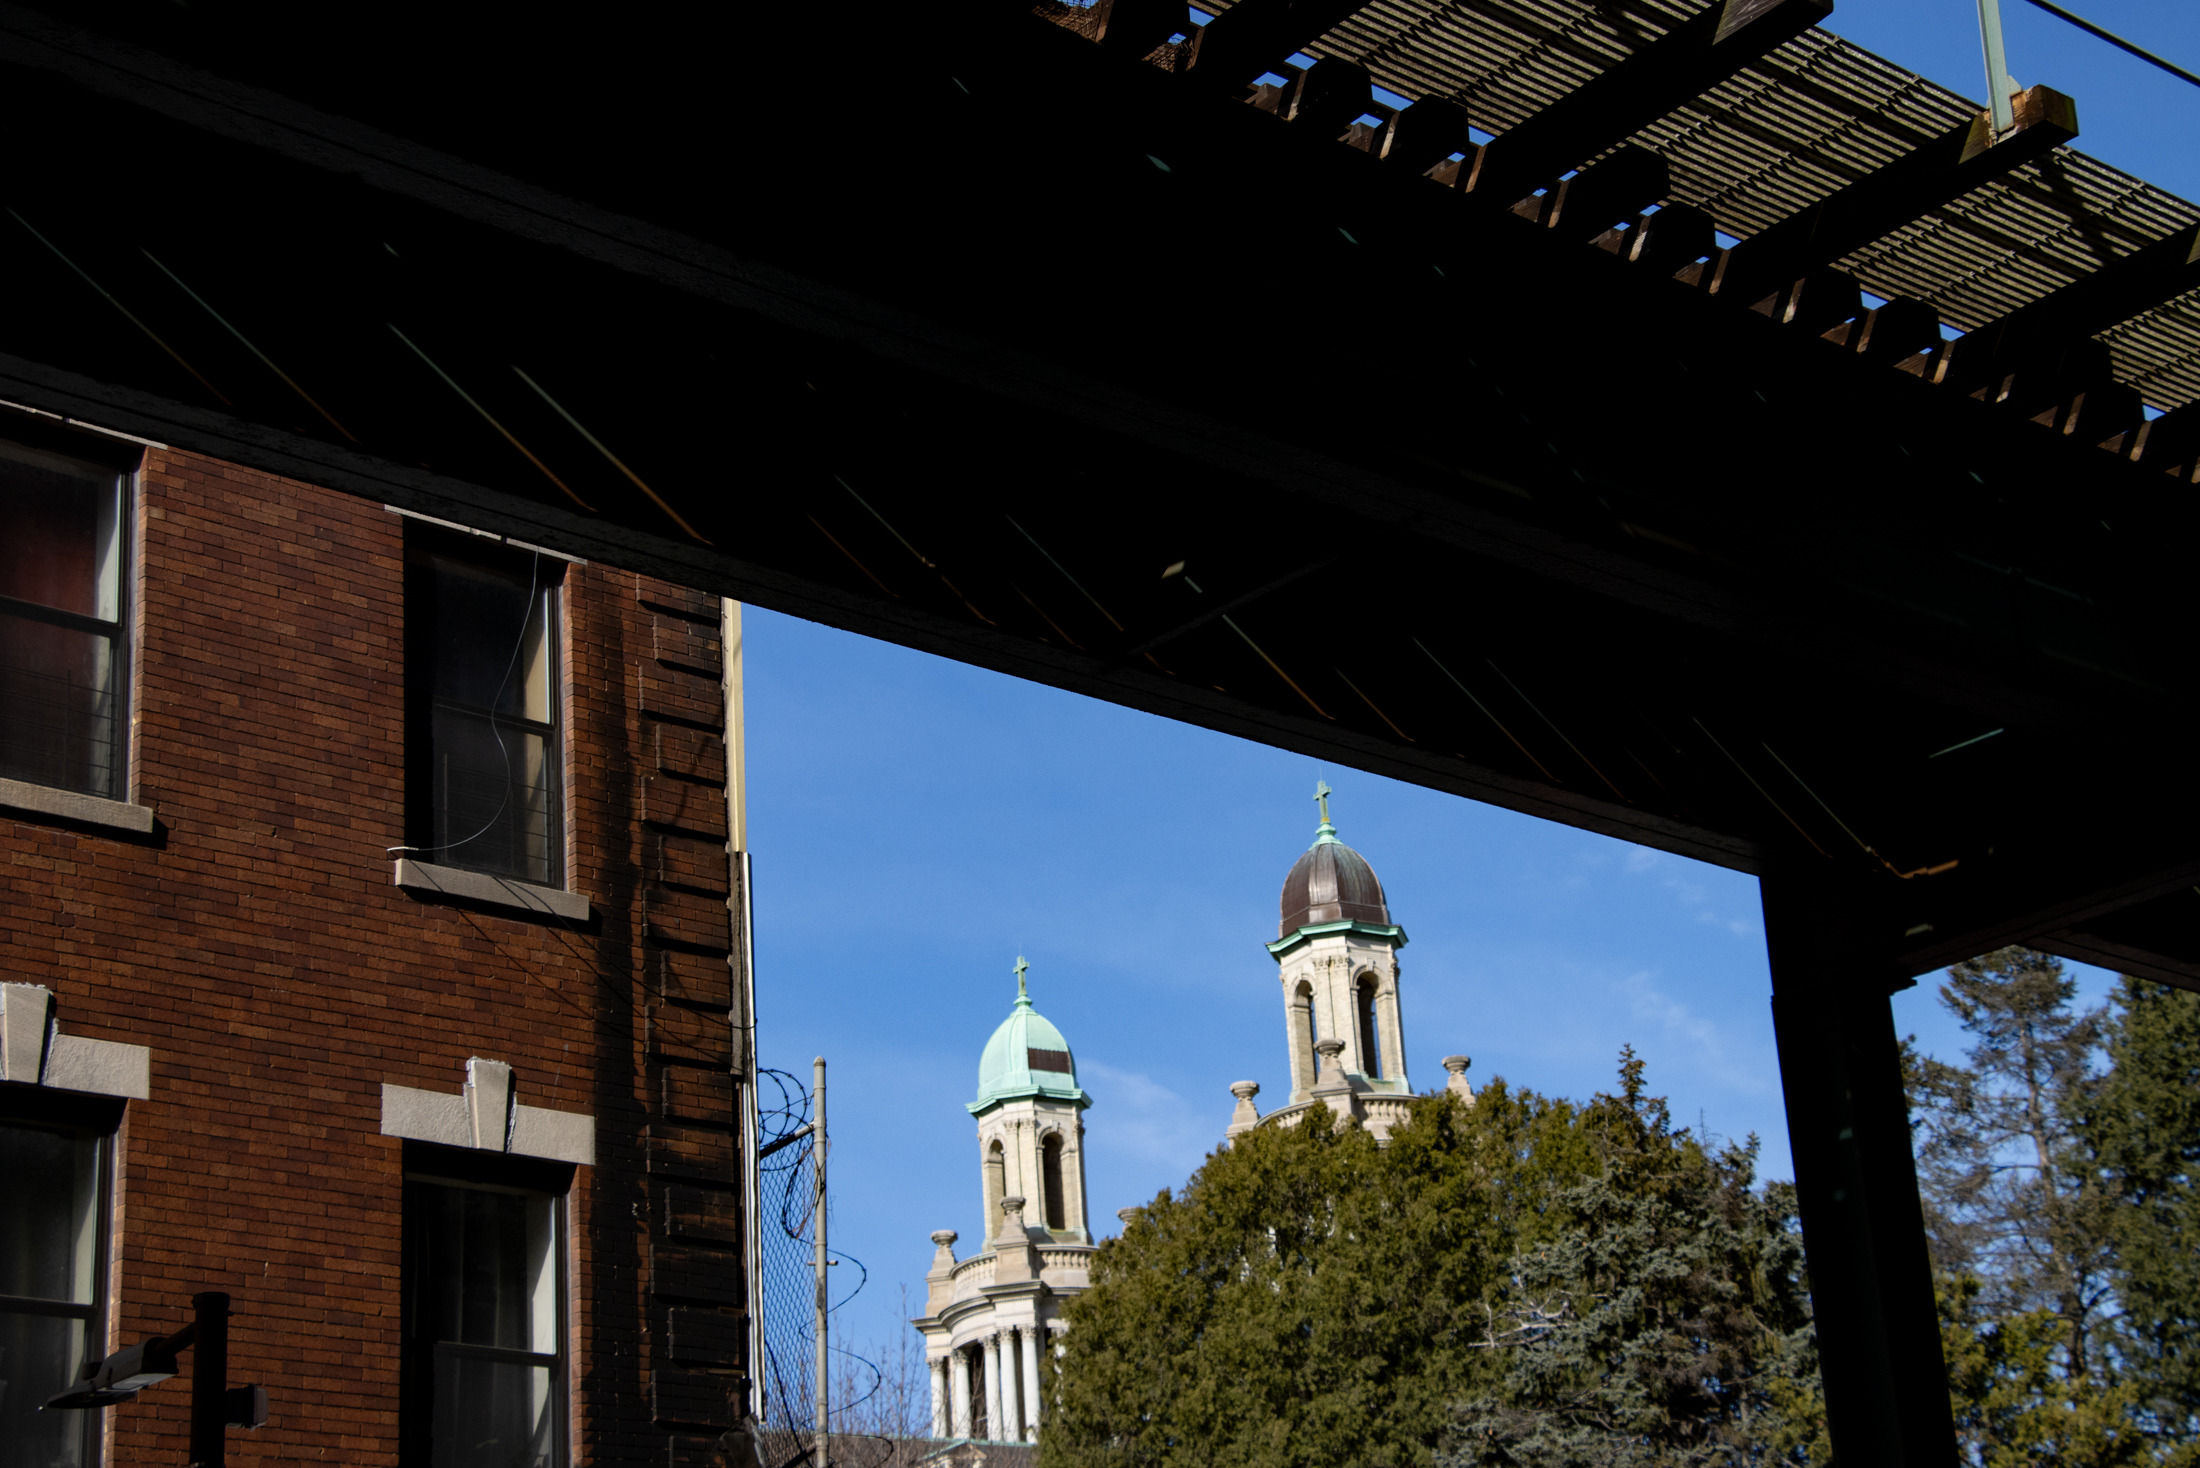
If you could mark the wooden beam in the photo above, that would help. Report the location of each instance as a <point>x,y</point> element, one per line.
<point>1609,108</point>
<point>2118,291</point>
<point>1254,36</point>
<point>1135,27</point>
<point>2172,440</point>
<point>1333,93</point>
<point>1608,192</point>
<point>1887,198</point>
<point>1427,133</point>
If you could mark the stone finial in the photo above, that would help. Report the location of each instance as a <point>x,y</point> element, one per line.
<point>1012,1219</point>
<point>1457,1085</point>
<point>939,1288</point>
<point>1330,1069</point>
<point>1247,1115</point>
<point>1128,1215</point>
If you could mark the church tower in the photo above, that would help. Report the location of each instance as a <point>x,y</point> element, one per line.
<point>990,1318</point>
<point>1031,1131</point>
<point>1337,954</point>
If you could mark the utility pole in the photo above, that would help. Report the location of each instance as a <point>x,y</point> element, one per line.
<point>818,1260</point>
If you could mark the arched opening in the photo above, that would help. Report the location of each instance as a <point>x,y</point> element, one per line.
<point>1371,1050</point>
<point>1309,1030</point>
<point>1050,1172</point>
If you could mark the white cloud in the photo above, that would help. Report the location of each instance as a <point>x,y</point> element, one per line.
<point>1690,893</point>
<point>1703,1039</point>
<point>1136,1115</point>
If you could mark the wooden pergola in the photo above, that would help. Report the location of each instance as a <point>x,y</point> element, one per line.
<point>1675,422</point>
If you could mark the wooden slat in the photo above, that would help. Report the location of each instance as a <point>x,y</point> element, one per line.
<point>1612,106</point>
<point>2115,293</point>
<point>1884,200</point>
<point>1254,36</point>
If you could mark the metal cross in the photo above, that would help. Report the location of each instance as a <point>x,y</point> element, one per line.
<point>1322,792</point>
<point>1021,968</point>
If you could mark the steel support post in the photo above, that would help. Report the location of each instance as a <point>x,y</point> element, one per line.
<point>209,1378</point>
<point>1856,1179</point>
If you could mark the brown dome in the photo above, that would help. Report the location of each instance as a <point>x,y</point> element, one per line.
<point>1331,883</point>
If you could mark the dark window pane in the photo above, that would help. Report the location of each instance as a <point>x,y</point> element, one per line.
<point>490,1414</point>
<point>40,1355</point>
<point>495,800</point>
<point>60,667</point>
<point>58,709</point>
<point>491,643</point>
<point>61,548</point>
<point>484,747</point>
<point>481,1268</point>
<point>482,1329</point>
<point>48,1216</point>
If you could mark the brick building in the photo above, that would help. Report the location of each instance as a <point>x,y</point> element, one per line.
<point>371,940</point>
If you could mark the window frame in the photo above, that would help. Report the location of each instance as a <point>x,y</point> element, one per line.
<point>121,462</point>
<point>425,804</point>
<point>432,1165</point>
<point>99,1119</point>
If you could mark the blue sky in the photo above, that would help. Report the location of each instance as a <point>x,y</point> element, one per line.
<point>917,822</point>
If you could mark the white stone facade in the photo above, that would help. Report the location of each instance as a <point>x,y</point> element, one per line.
<point>988,1318</point>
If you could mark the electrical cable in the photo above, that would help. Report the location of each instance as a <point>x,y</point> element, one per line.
<point>527,619</point>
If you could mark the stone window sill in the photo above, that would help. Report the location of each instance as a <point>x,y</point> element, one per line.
<point>505,892</point>
<point>84,810</point>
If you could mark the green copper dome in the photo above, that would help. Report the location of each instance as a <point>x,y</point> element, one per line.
<point>1027,1056</point>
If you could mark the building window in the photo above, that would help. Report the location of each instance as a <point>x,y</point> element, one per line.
<point>53,1270</point>
<point>62,650</point>
<point>1371,1050</point>
<point>485,773</point>
<point>484,1301</point>
<point>1050,1171</point>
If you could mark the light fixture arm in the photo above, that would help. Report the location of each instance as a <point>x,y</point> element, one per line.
<point>214,1404</point>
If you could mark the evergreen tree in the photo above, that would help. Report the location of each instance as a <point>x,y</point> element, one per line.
<point>2145,1128</point>
<point>1311,1299</point>
<point>2014,1195</point>
<point>1663,1323</point>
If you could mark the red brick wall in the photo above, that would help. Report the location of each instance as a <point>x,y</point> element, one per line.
<point>256,944</point>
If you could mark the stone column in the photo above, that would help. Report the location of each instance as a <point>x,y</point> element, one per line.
<point>1012,1387</point>
<point>958,1379</point>
<point>937,1371</point>
<point>1032,1338</point>
<point>991,1346</point>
